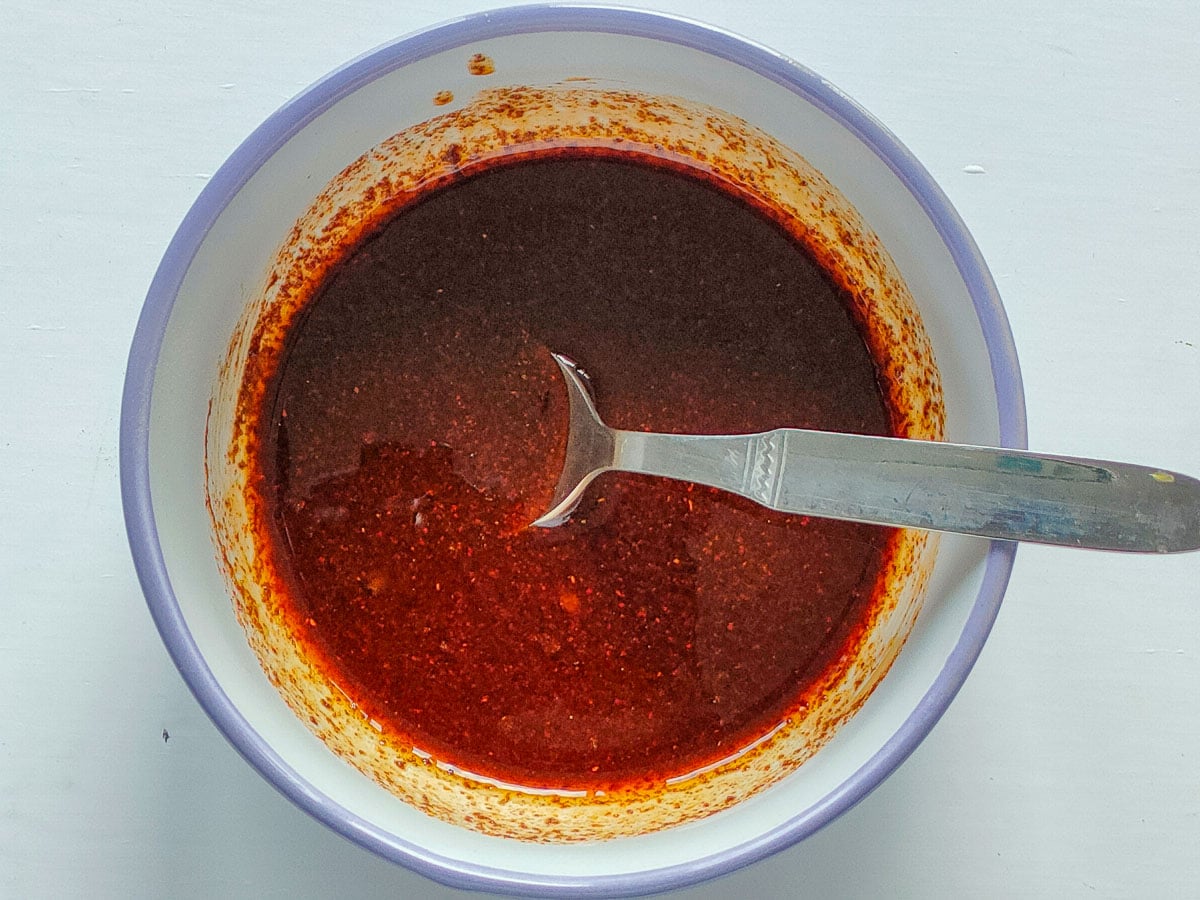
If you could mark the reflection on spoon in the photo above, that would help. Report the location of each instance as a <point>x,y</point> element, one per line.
<point>990,492</point>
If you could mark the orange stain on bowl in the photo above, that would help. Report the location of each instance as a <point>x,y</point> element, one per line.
<point>481,65</point>
<point>442,98</point>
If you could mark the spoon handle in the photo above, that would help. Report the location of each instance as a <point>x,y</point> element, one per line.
<point>995,493</point>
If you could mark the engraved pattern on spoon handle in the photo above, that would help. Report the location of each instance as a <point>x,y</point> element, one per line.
<point>765,462</point>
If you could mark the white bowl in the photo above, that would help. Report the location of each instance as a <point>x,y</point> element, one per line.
<point>215,269</point>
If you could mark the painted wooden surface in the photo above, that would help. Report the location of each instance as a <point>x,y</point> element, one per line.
<point>1068,136</point>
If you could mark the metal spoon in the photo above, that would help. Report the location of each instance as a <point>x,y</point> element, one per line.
<point>991,492</point>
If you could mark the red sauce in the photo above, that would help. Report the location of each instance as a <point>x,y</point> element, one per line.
<point>416,425</point>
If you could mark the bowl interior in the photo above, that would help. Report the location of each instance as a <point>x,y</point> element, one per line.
<point>217,265</point>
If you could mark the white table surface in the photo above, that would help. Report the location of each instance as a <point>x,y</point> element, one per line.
<point>1067,135</point>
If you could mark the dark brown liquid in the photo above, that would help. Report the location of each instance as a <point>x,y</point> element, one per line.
<point>418,425</point>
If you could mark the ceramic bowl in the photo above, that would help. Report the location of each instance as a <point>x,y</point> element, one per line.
<point>287,182</point>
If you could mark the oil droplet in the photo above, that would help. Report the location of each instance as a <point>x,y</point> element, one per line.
<point>441,98</point>
<point>481,65</point>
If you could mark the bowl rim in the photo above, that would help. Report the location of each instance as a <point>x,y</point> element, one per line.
<point>260,145</point>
